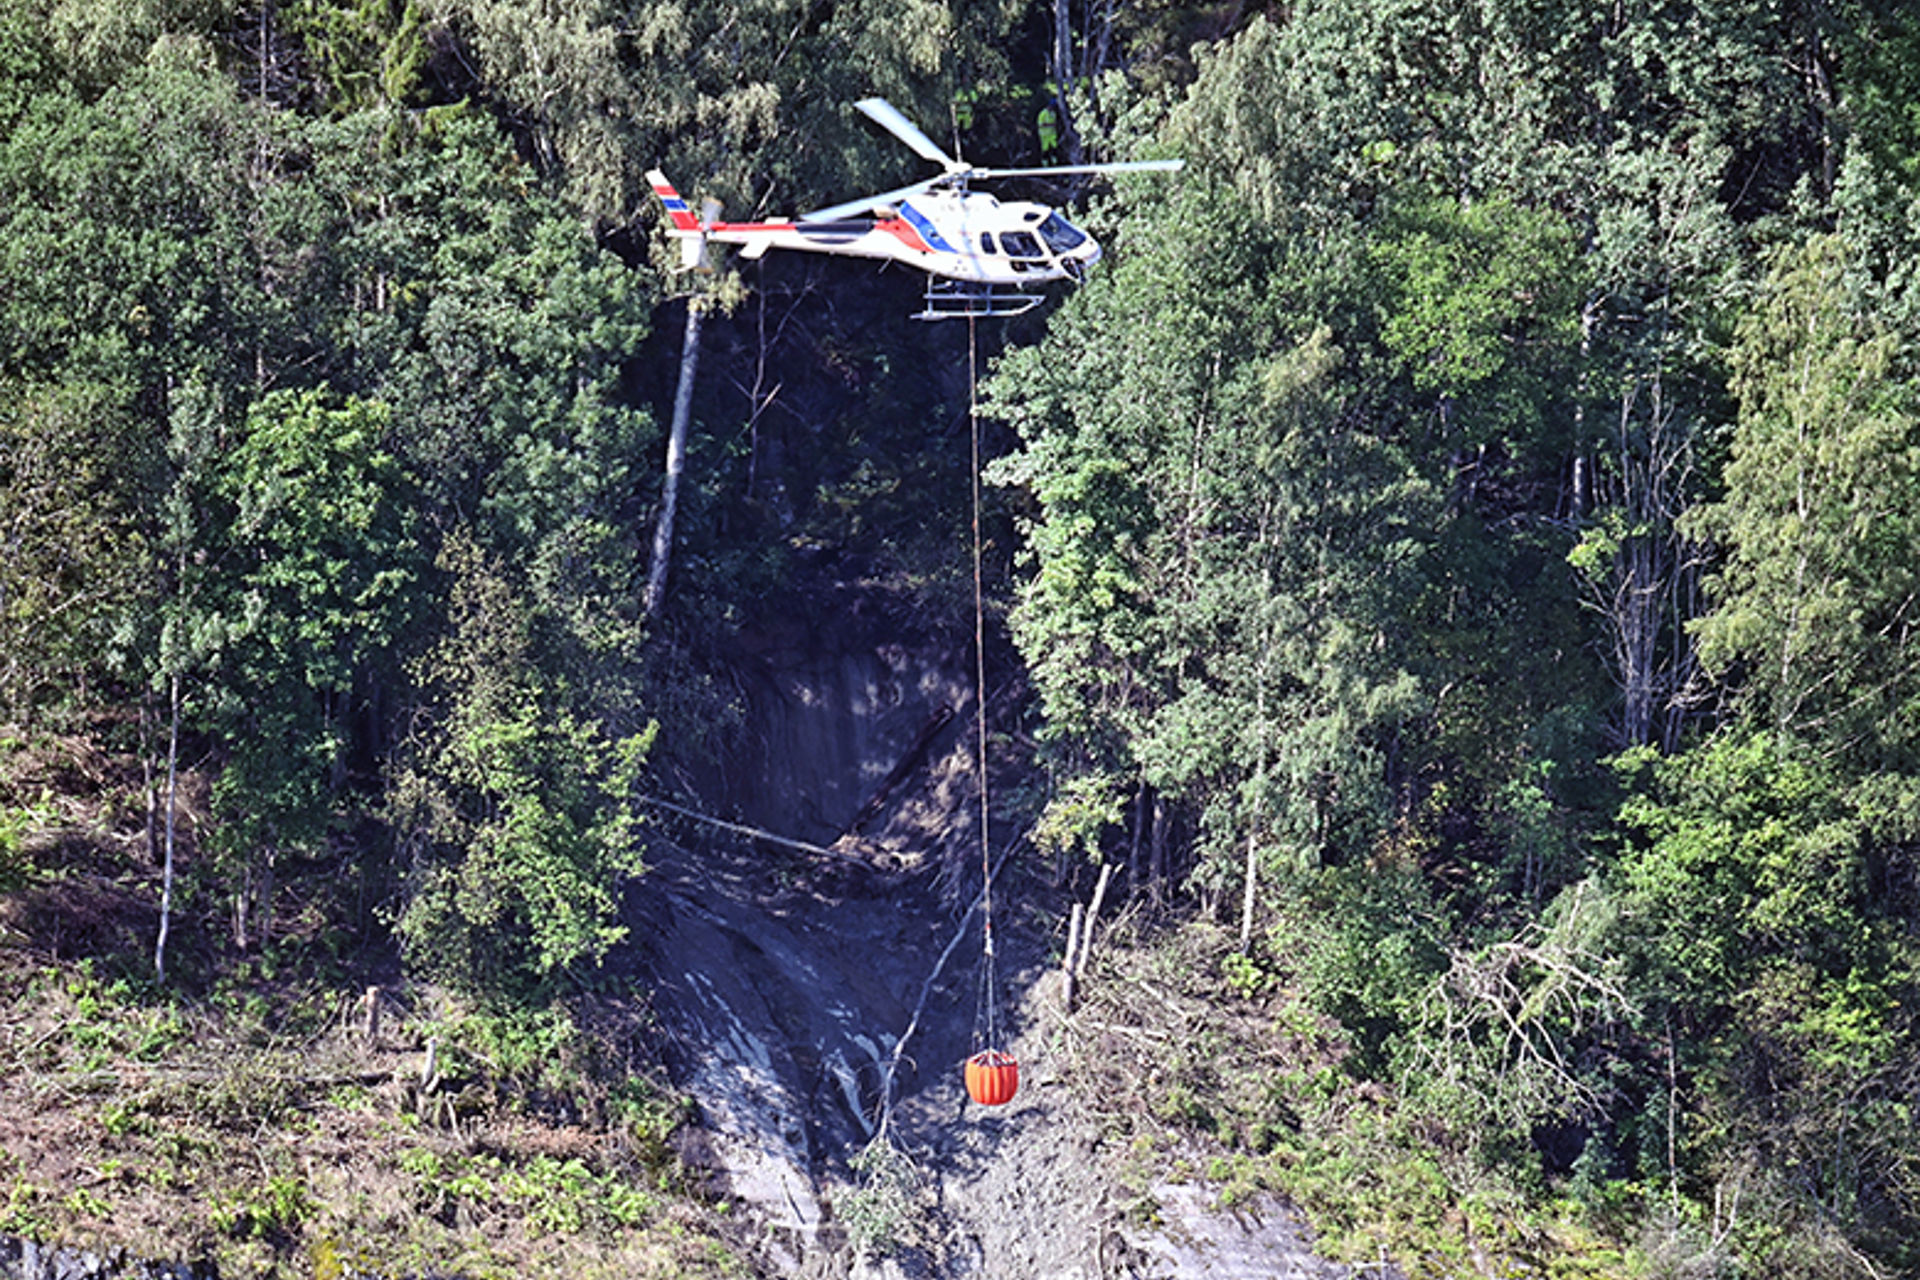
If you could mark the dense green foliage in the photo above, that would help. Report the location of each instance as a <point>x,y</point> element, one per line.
<point>1505,394</point>
<point>1466,527</point>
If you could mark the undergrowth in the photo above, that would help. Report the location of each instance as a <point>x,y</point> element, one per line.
<point>243,1116</point>
<point>1213,1065</point>
<point>1208,1063</point>
<point>176,1128</point>
<point>885,1210</point>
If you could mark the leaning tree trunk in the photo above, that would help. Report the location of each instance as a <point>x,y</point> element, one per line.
<point>676,463</point>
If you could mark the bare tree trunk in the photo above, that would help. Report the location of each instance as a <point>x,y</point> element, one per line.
<point>676,463</point>
<point>1645,590</point>
<point>1247,894</point>
<point>1062,60</point>
<point>149,785</point>
<point>1250,890</point>
<point>1136,868</point>
<point>1098,43</point>
<point>764,391</point>
<point>253,904</point>
<point>1079,971</point>
<point>243,906</point>
<point>173,795</point>
<point>266,900</point>
<point>1074,919</point>
<point>1157,849</point>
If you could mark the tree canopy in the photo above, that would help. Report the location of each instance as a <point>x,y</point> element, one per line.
<point>1463,532</point>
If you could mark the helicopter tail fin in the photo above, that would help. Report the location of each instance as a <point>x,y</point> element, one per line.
<point>690,231</point>
<point>684,223</point>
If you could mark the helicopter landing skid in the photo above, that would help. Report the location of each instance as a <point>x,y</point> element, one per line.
<point>957,300</point>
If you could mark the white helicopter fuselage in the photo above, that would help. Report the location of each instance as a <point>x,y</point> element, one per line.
<point>979,254</point>
<point>957,235</point>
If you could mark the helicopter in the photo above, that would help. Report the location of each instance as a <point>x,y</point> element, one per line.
<point>982,256</point>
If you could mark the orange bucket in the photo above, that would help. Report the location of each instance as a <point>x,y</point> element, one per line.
<point>993,1078</point>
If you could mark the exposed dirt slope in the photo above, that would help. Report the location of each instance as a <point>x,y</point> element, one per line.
<point>787,978</point>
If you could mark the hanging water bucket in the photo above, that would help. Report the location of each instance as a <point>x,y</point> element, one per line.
<point>993,1078</point>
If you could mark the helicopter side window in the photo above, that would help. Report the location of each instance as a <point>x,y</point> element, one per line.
<point>1061,235</point>
<point>1020,244</point>
<point>986,242</point>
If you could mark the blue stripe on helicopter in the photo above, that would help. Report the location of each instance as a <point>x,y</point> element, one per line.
<point>918,221</point>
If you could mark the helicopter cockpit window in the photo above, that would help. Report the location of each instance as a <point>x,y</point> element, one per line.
<point>1020,244</point>
<point>986,242</point>
<point>1060,234</point>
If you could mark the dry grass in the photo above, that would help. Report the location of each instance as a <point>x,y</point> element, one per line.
<point>202,1130</point>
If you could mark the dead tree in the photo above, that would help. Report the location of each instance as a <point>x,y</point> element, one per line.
<point>676,461</point>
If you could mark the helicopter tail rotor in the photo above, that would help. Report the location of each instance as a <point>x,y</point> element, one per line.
<point>693,249</point>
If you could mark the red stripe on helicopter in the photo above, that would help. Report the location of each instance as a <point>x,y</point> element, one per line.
<point>682,217</point>
<point>683,220</point>
<point>899,228</point>
<point>903,231</point>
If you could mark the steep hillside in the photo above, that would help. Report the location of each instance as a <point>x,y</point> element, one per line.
<point>819,1003</point>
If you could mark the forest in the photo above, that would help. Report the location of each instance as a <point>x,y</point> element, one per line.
<point>1461,545</point>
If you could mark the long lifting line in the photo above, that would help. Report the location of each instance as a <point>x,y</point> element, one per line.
<point>989,1002</point>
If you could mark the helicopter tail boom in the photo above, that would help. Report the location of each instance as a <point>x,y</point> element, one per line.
<point>754,238</point>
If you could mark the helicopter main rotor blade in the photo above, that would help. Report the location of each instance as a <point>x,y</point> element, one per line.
<point>1118,166</point>
<point>866,203</point>
<point>888,117</point>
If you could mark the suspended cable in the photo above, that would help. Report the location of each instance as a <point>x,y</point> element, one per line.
<point>992,1076</point>
<point>989,1001</point>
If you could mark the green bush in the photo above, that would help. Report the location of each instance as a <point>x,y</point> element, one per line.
<point>16,824</point>
<point>880,1212</point>
<point>274,1209</point>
